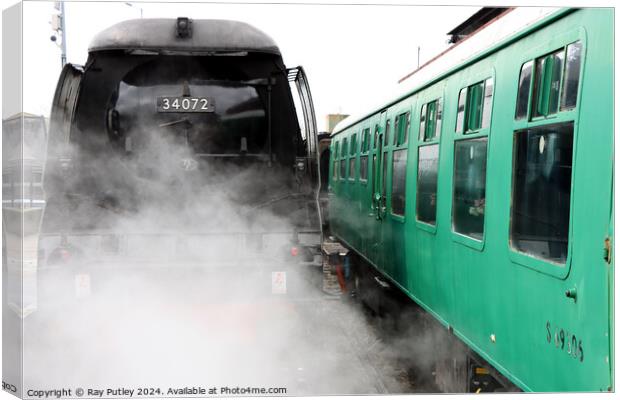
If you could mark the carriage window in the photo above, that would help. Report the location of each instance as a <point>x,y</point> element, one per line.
<point>353,148</point>
<point>405,135</point>
<point>352,168</point>
<point>474,107</point>
<point>470,161</point>
<point>366,140</point>
<point>473,116</point>
<point>384,174</point>
<point>541,191</point>
<point>523,94</point>
<point>343,160</point>
<point>426,207</point>
<point>556,82</point>
<point>396,128</point>
<point>430,121</point>
<point>399,172</point>
<point>374,142</point>
<point>431,112</point>
<point>374,172</point>
<point>571,76</point>
<point>387,133</point>
<point>460,115</point>
<point>548,75</point>
<point>364,168</point>
<point>401,126</point>
<point>422,122</point>
<point>335,167</point>
<point>438,119</point>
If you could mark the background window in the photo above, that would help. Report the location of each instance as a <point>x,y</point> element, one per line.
<point>426,207</point>
<point>571,76</point>
<point>399,172</point>
<point>470,165</point>
<point>523,94</point>
<point>542,167</point>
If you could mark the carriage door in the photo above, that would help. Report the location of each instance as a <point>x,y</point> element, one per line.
<point>378,190</point>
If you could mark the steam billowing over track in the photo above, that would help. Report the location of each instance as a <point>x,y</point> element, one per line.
<point>179,244</point>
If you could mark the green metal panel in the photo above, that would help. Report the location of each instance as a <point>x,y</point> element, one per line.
<point>509,306</point>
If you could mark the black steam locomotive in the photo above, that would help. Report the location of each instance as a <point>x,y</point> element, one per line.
<point>190,128</point>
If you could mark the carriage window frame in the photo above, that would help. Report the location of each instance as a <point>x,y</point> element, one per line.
<point>336,163</point>
<point>459,237</point>
<point>421,126</point>
<point>468,104</point>
<point>386,133</point>
<point>430,123</point>
<point>544,265</point>
<point>559,271</point>
<point>399,142</point>
<point>351,162</point>
<point>484,131</point>
<point>364,154</point>
<point>401,135</point>
<point>343,160</point>
<point>353,147</point>
<point>395,215</point>
<point>535,96</point>
<point>365,138</point>
<point>352,169</point>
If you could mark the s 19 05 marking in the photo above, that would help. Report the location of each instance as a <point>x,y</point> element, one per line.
<point>565,341</point>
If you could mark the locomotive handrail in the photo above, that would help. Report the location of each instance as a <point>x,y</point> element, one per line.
<point>298,76</point>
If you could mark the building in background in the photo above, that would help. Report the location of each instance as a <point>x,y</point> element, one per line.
<point>484,18</point>
<point>471,25</point>
<point>333,119</point>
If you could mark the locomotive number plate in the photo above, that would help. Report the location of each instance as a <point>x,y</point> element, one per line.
<point>185,104</point>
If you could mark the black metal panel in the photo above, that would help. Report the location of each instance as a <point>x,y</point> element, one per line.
<point>160,35</point>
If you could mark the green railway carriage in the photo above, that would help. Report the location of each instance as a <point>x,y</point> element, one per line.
<point>485,194</point>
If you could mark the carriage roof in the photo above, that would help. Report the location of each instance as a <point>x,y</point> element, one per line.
<point>160,34</point>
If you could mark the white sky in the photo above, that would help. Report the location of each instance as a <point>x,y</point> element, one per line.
<point>352,54</point>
